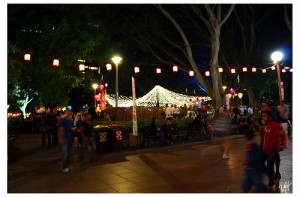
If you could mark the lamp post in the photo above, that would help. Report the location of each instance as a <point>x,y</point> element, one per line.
<point>95,86</point>
<point>240,95</point>
<point>117,60</point>
<point>276,57</point>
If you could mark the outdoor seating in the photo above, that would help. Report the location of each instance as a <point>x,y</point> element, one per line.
<point>148,137</point>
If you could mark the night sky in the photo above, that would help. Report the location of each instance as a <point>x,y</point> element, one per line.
<point>279,40</point>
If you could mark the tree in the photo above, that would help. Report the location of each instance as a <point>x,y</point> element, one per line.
<point>247,37</point>
<point>213,23</point>
<point>76,35</point>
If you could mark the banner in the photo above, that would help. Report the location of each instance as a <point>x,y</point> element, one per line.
<point>281,91</point>
<point>134,118</point>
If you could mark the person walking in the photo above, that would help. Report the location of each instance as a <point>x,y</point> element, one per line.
<point>48,126</point>
<point>255,165</point>
<point>87,138</point>
<point>65,138</point>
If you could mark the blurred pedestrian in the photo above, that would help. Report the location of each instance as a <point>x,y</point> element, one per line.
<point>65,138</point>
<point>255,165</point>
<point>48,126</point>
<point>87,138</point>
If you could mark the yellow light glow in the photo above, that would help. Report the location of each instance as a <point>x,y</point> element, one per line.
<point>116,59</point>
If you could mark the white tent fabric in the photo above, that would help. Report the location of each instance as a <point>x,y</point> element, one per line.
<point>158,95</point>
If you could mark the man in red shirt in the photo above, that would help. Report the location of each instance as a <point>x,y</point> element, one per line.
<point>270,143</point>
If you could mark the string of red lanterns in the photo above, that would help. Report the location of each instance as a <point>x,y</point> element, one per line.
<point>175,68</point>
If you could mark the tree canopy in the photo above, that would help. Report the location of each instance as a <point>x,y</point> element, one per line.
<point>146,35</point>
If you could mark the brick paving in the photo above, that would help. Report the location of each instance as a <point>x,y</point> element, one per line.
<point>194,167</point>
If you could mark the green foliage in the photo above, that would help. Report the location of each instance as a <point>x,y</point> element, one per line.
<point>180,123</point>
<point>72,36</point>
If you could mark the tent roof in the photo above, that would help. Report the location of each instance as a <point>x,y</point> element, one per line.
<point>157,95</point>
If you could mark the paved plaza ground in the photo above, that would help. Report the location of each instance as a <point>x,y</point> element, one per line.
<point>194,167</point>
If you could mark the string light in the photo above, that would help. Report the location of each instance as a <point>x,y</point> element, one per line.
<point>273,68</point>
<point>158,71</point>
<point>55,62</point>
<point>27,57</point>
<point>157,94</point>
<point>108,67</point>
<point>136,69</point>
<point>245,69</point>
<point>220,70</point>
<point>254,69</point>
<point>191,73</point>
<point>233,71</point>
<point>175,68</point>
<point>207,73</point>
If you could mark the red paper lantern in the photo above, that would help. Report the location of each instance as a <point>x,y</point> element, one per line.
<point>97,97</point>
<point>101,87</point>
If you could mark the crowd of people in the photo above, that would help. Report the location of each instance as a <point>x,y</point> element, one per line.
<point>197,107</point>
<point>69,130</point>
<point>271,122</point>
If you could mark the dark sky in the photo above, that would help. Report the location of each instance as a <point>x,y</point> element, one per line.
<point>33,15</point>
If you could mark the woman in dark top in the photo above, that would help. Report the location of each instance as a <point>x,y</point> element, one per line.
<point>87,138</point>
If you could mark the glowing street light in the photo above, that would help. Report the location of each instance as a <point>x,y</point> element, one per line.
<point>277,57</point>
<point>117,60</point>
<point>95,86</point>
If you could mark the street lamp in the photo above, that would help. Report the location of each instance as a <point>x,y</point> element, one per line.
<point>117,60</point>
<point>277,57</point>
<point>240,95</point>
<point>95,86</point>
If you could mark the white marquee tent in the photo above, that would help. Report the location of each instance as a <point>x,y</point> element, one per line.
<point>157,95</point>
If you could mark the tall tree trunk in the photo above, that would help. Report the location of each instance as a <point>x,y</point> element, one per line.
<point>188,53</point>
<point>214,64</point>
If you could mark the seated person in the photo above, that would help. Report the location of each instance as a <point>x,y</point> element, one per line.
<point>154,131</point>
<point>168,129</point>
